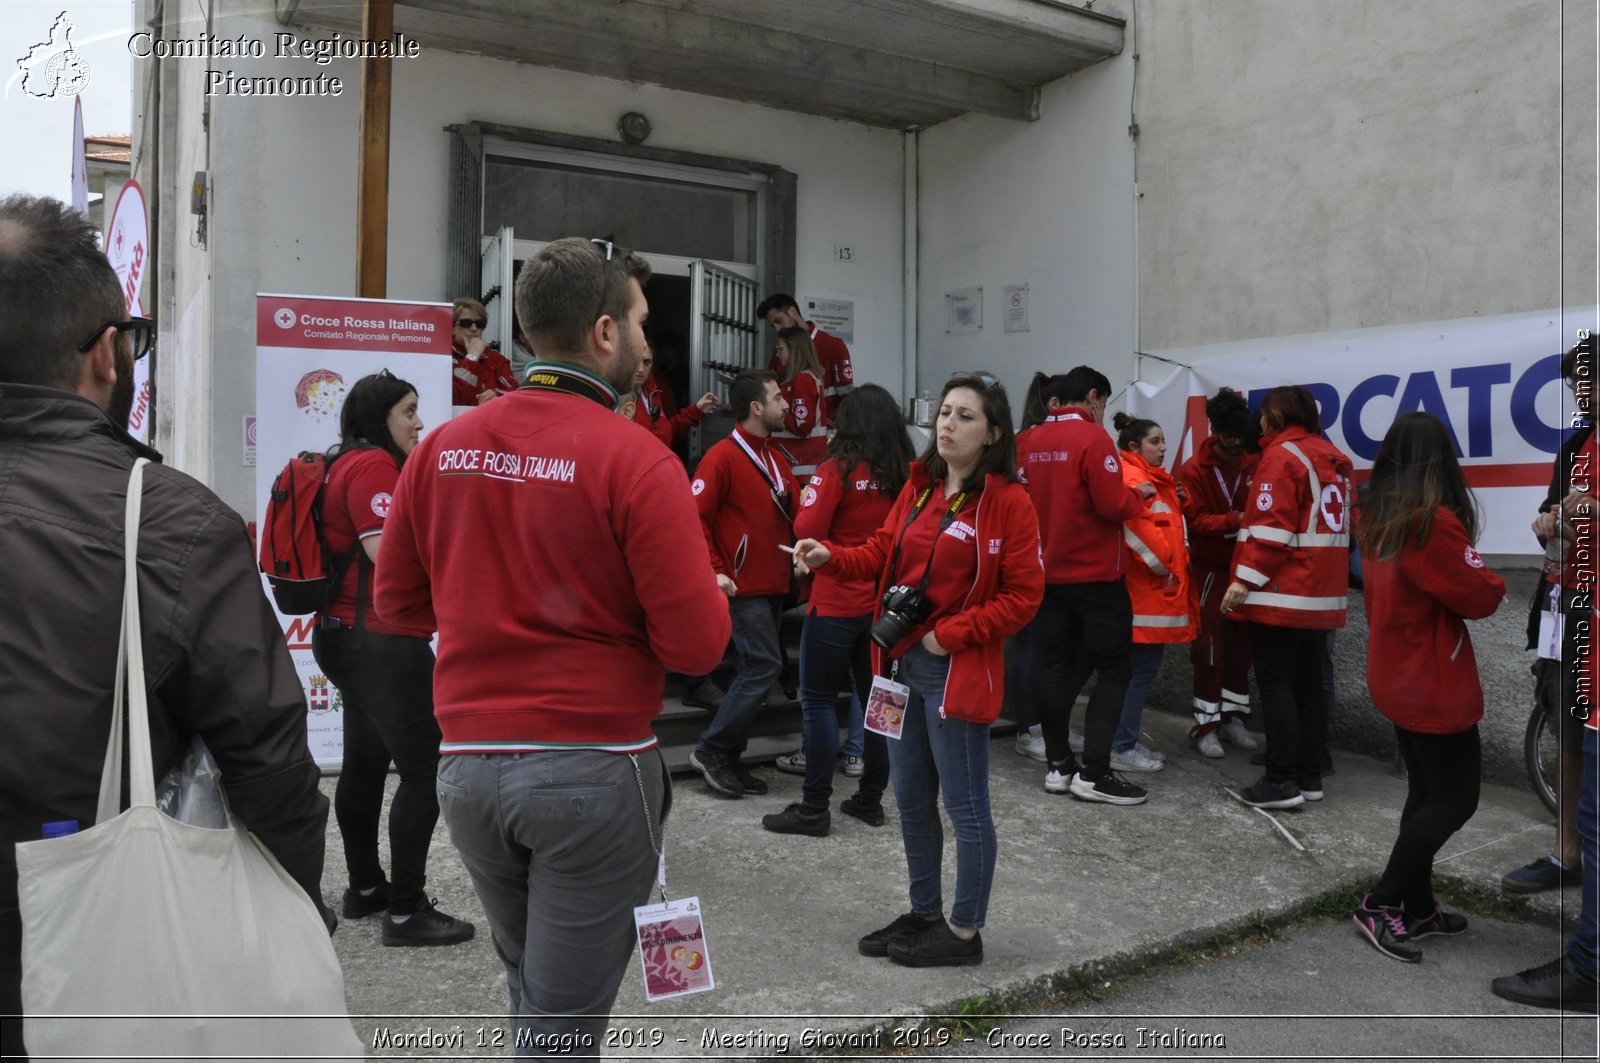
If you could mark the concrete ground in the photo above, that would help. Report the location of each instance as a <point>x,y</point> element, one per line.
<point>1081,891</point>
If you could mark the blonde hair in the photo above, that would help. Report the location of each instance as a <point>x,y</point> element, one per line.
<point>466,302</point>
<point>802,355</point>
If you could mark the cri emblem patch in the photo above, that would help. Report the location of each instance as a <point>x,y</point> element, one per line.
<point>380,504</point>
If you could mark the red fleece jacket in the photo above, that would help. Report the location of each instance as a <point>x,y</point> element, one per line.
<point>1421,670</point>
<point>1217,496</point>
<point>741,520</point>
<point>1071,469</point>
<point>842,506</point>
<point>996,602</point>
<point>600,577</point>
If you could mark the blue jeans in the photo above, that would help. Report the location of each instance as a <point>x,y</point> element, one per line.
<point>935,755</point>
<point>1146,658</point>
<point>856,736</point>
<point>1584,948</point>
<point>757,660</point>
<point>834,651</point>
<point>1021,664</point>
<point>561,847</point>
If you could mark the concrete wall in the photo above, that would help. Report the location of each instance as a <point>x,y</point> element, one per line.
<point>1047,204</point>
<point>1307,166</point>
<point>285,193</point>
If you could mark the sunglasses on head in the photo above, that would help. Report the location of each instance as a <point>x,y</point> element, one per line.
<point>988,380</point>
<point>141,334</point>
<point>609,250</point>
<point>470,322</point>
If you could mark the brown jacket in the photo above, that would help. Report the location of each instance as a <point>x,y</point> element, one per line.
<point>215,658</point>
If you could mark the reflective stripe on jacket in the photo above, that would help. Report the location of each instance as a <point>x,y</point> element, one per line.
<point>1157,559</point>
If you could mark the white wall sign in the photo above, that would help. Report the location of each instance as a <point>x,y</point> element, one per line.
<point>963,311</point>
<point>1016,304</point>
<point>249,441</point>
<point>837,317</point>
<point>309,351</point>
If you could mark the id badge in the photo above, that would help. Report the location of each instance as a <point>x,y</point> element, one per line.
<point>672,949</point>
<point>886,706</point>
<point>1552,629</point>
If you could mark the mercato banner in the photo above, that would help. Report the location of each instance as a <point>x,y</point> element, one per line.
<point>1495,383</point>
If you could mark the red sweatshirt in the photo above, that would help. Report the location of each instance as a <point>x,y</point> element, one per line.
<point>1158,559</point>
<point>1294,538</point>
<point>1421,670</point>
<point>804,439</point>
<point>1217,495</point>
<point>1070,468</point>
<point>743,521</point>
<point>842,506</point>
<point>657,411</point>
<point>355,504</point>
<point>1001,590</point>
<point>490,373</point>
<point>838,377</point>
<point>599,578</point>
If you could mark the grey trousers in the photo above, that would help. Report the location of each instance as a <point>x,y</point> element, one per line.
<point>560,854</point>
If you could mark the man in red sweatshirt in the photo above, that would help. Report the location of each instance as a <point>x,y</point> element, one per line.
<point>838,378</point>
<point>550,668</point>
<point>745,494</point>
<point>1085,625</point>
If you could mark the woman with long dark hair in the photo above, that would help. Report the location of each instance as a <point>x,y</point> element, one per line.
<point>1290,580</point>
<point>1418,525</point>
<point>957,566</point>
<point>846,501</point>
<point>384,675</point>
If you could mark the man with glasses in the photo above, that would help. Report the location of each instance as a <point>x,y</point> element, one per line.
<point>217,664</point>
<point>480,372</point>
<point>551,782</point>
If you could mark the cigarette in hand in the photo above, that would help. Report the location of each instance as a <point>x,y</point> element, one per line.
<point>786,549</point>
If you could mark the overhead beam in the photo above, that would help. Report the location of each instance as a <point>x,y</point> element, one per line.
<point>372,192</point>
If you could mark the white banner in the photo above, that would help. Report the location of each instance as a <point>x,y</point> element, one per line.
<point>309,351</point>
<point>1495,382</point>
<point>128,249</point>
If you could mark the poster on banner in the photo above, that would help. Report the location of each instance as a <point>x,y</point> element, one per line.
<point>309,351</point>
<point>1495,382</point>
<point>128,250</point>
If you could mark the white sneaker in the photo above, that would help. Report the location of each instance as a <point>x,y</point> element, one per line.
<point>1057,783</point>
<point>1134,760</point>
<point>1074,739</point>
<point>1235,732</point>
<point>1031,746</point>
<point>791,763</point>
<point>1153,754</point>
<point>1209,746</point>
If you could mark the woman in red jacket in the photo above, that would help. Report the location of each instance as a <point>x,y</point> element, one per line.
<point>1157,563</point>
<point>1291,571</point>
<point>805,427</point>
<point>1417,526</point>
<point>958,569</point>
<point>847,500</point>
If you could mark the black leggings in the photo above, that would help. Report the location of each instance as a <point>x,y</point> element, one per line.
<point>1443,773</point>
<point>387,687</point>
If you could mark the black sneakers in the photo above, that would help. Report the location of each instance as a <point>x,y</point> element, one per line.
<point>1385,927</point>
<point>1109,789</point>
<point>747,781</point>
<point>1268,794</point>
<point>871,815</point>
<point>1559,984</point>
<point>877,942</point>
<point>426,926</point>
<point>704,695</point>
<point>937,946</point>
<point>798,819</point>
<point>1438,924</point>
<point>719,773</point>
<point>360,905</point>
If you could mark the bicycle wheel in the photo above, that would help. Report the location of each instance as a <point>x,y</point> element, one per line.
<point>1540,746</point>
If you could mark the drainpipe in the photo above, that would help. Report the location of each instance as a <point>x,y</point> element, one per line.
<point>908,268</point>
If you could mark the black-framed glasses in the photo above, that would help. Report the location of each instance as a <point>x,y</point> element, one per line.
<point>141,334</point>
<point>987,379</point>
<point>610,249</point>
<point>470,322</point>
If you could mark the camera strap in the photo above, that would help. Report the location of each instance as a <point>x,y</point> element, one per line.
<point>944,525</point>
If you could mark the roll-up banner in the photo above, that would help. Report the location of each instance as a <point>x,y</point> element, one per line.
<point>1494,381</point>
<point>309,352</point>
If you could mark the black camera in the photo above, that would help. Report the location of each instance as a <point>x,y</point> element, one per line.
<point>903,609</point>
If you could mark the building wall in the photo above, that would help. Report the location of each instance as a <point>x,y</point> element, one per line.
<point>1047,204</point>
<point>284,216</point>
<point>1307,166</point>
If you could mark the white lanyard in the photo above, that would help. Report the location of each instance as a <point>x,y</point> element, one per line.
<point>1227,491</point>
<point>772,474</point>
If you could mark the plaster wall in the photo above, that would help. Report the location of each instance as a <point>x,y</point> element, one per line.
<point>1307,166</point>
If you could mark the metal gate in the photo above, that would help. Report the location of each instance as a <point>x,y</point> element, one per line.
<point>723,336</point>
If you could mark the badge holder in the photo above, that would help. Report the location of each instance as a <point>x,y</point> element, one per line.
<point>887,705</point>
<point>672,939</point>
